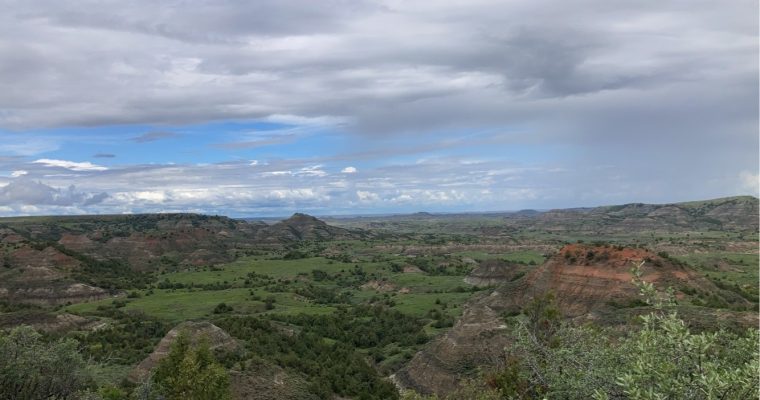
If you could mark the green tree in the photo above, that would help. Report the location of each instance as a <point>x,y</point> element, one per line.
<point>32,369</point>
<point>191,373</point>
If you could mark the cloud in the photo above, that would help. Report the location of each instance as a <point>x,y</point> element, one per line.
<point>153,136</point>
<point>313,170</point>
<point>364,195</point>
<point>348,170</point>
<point>292,61</point>
<point>31,193</point>
<point>18,173</point>
<point>72,165</point>
<point>104,155</point>
<point>643,101</point>
<point>255,143</point>
<point>281,186</point>
<point>750,182</point>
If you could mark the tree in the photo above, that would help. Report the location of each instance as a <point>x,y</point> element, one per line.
<point>188,373</point>
<point>269,303</point>
<point>31,368</point>
<point>666,360</point>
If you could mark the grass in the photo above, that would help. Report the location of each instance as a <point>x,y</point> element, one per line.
<point>738,268</point>
<point>274,268</point>
<point>181,305</point>
<point>422,283</point>
<point>418,304</point>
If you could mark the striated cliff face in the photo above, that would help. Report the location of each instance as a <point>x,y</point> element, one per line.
<point>589,283</point>
<point>40,275</point>
<point>474,340</point>
<point>495,272</point>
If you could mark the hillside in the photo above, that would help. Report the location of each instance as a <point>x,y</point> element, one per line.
<point>590,283</point>
<point>304,227</point>
<point>70,259</point>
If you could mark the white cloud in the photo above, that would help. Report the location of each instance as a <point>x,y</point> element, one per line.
<point>19,173</point>
<point>367,196</point>
<point>277,173</point>
<point>145,196</point>
<point>323,121</point>
<point>72,165</point>
<point>750,182</point>
<point>314,170</point>
<point>348,170</point>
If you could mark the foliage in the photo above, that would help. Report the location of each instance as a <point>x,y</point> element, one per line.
<point>31,368</point>
<point>665,360</point>
<point>222,308</point>
<point>188,373</point>
<point>661,360</point>
<point>363,326</point>
<point>128,338</point>
<point>323,352</point>
<point>470,390</point>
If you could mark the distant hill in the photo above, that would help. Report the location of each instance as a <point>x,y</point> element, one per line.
<point>736,214</point>
<point>57,260</point>
<point>730,213</point>
<point>304,227</point>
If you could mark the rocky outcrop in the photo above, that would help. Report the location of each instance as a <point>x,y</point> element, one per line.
<point>44,321</point>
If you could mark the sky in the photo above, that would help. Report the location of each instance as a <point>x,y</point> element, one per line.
<point>268,107</point>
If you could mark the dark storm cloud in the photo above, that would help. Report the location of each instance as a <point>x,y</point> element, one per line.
<point>159,63</point>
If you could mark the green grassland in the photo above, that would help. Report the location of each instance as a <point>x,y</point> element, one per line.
<point>245,284</point>
<point>739,272</point>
